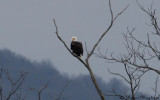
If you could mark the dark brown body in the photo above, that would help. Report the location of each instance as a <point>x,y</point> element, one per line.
<point>77,48</point>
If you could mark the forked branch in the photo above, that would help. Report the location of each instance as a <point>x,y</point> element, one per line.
<point>89,54</point>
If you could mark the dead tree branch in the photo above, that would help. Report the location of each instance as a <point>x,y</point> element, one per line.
<point>156,93</point>
<point>86,62</point>
<point>133,79</point>
<point>115,94</point>
<point>39,91</point>
<point>15,85</point>
<point>151,13</point>
<point>139,53</point>
<point>61,92</point>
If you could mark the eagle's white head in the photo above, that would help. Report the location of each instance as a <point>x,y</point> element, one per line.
<point>74,38</point>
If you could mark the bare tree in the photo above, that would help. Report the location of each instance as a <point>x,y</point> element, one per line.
<point>15,85</point>
<point>59,94</point>
<point>156,93</point>
<point>133,79</point>
<point>139,55</point>
<point>133,74</point>
<point>20,94</point>
<point>39,91</point>
<point>86,62</point>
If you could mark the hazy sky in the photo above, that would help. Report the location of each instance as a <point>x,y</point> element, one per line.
<point>26,27</point>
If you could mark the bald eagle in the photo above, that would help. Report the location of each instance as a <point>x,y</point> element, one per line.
<point>76,47</point>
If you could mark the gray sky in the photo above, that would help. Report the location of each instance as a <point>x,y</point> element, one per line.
<point>26,27</point>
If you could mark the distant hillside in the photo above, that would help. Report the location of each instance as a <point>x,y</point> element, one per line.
<point>39,74</point>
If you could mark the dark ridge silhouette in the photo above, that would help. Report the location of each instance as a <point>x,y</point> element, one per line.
<point>40,73</point>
